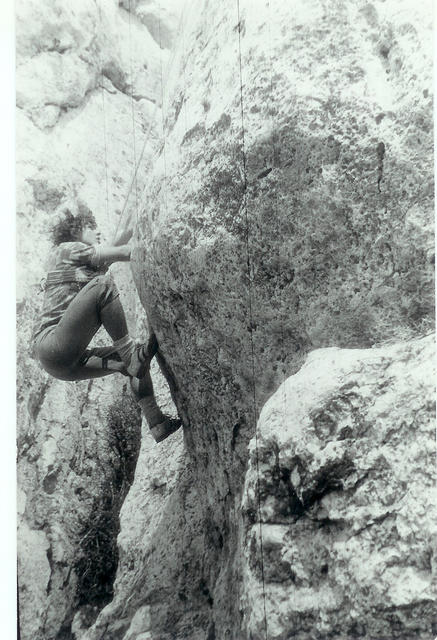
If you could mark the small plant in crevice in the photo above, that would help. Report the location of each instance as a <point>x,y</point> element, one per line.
<point>124,439</point>
<point>97,559</point>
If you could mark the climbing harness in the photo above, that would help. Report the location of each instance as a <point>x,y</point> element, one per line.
<point>78,275</point>
<point>250,308</point>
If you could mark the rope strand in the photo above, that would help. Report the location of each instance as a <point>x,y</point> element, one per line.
<point>163,120</point>
<point>250,305</point>
<point>99,8</point>
<point>152,122</point>
<point>276,210</point>
<point>133,114</point>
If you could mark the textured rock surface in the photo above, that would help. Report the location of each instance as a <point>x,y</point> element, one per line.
<point>346,452</point>
<point>78,66</point>
<point>296,214</point>
<point>290,209</point>
<point>74,470</point>
<point>336,146</point>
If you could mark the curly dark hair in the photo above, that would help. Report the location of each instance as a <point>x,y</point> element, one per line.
<point>69,228</point>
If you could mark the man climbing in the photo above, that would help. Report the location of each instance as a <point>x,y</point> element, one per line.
<point>80,297</point>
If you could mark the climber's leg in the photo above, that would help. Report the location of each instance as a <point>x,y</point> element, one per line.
<point>161,425</point>
<point>62,350</point>
<point>96,304</point>
<point>144,394</point>
<point>48,351</point>
<point>93,369</point>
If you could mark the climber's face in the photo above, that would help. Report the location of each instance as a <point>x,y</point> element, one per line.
<point>90,236</point>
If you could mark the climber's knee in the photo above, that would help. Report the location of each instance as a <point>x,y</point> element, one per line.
<point>59,371</point>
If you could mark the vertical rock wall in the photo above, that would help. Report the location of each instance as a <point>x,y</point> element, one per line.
<point>88,92</point>
<point>291,209</point>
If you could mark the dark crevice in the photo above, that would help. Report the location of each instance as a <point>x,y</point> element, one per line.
<point>211,632</point>
<point>35,401</point>
<point>50,482</point>
<point>295,506</point>
<point>97,556</point>
<point>49,554</point>
<point>290,504</point>
<point>206,592</point>
<point>235,432</point>
<point>327,480</point>
<point>174,390</point>
<point>97,562</point>
<point>380,151</point>
<point>376,520</point>
<point>264,173</point>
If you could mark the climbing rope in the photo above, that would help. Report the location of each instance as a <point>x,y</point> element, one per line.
<point>162,149</point>
<point>250,308</point>
<point>133,113</point>
<point>164,76</point>
<point>163,120</point>
<point>282,376</point>
<point>185,78</point>
<point>99,8</point>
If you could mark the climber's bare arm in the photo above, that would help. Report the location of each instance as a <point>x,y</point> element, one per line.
<point>109,254</point>
<point>125,234</point>
<point>122,237</point>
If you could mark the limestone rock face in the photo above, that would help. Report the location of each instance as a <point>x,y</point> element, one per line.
<point>290,209</point>
<point>74,470</point>
<point>293,211</point>
<point>345,453</point>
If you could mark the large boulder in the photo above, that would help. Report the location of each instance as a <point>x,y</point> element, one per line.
<point>341,475</point>
<point>291,208</point>
<point>292,205</point>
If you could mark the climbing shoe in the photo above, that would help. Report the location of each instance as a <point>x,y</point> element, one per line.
<point>138,361</point>
<point>141,357</point>
<point>164,429</point>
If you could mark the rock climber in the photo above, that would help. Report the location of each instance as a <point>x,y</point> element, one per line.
<point>79,297</point>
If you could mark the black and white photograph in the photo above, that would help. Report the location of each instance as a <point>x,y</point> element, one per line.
<point>225,302</point>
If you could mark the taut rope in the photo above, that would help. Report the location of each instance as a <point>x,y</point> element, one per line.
<point>250,305</point>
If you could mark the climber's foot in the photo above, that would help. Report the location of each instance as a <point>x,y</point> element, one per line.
<point>142,357</point>
<point>139,362</point>
<point>164,429</point>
